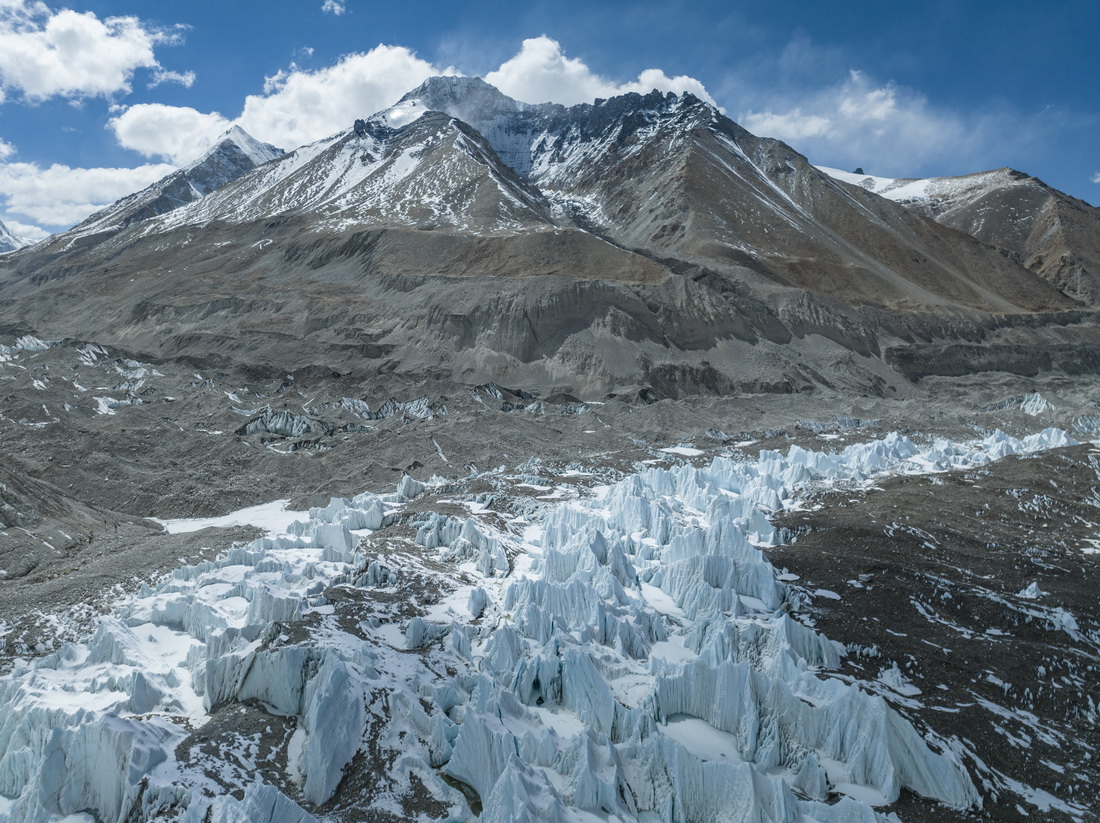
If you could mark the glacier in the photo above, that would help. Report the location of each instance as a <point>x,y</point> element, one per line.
<point>629,654</point>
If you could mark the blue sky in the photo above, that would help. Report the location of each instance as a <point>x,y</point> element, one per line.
<point>101,98</point>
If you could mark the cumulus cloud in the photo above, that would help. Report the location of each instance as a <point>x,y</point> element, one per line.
<point>59,196</point>
<point>541,73</point>
<point>1096,177</point>
<point>6,150</point>
<point>858,122</point>
<point>299,106</point>
<point>334,7</point>
<point>794,125</point>
<point>178,134</point>
<point>26,231</point>
<point>71,54</point>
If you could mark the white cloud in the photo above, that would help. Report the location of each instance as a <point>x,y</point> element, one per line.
<point>299,106</point>
<point>1096,178</point>
<point>71,54</point>
<point>794,125</point>
<point>59,196</point>
<point>178,134</point>
<point>334,7</point>
<point>6,150</point>
<point>541,73</point>
<point>857,122</point>
<point>184,78</point>
<point>651,79</point>
<point>26,231</point>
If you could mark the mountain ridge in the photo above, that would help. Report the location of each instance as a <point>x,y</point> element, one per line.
<point>234,154</point>
<point>565,152</point>
<point>642,240</point>
<point>1051,233</point>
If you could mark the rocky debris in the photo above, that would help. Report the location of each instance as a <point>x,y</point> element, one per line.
<point>957,359</point>
<point>997,585</point>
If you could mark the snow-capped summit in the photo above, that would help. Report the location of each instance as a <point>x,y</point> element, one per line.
<point>259,153</point>
<point>470,99</point>
<point>9,241</point>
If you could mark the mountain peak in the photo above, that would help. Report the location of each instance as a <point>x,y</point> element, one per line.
<point>9,241</point>
<point>236,153</point>
<point>237,141</point>
<point>452,84</point>
<point>461,96</point>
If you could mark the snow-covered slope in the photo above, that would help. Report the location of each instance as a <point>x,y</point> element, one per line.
<point>235,154</point>
<point>898,189</point>
<point>402,167</point>
<point>1054,235</point>
<point>625,656</point>
<point>8,241</point>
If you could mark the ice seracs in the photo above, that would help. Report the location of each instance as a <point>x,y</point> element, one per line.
<point>625,655</point>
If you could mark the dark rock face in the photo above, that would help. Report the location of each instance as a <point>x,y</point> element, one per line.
<point>1053,235</point>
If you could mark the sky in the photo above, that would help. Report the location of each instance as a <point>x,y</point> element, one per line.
<point>103,97</point>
